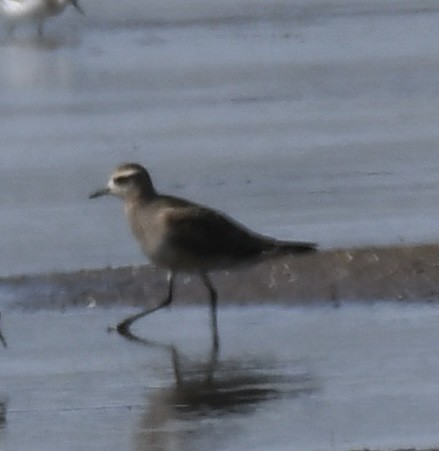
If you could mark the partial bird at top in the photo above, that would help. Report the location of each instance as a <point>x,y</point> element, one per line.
<point>16,12</point>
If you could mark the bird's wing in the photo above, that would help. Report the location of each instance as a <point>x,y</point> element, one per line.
<point>201,231</point>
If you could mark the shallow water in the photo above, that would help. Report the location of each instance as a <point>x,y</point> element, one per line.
<point>310,120</point>
<point>308,379</point>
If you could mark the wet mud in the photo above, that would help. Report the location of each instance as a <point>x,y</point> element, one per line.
<point>406,274</point>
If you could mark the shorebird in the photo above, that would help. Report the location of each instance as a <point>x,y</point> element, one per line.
<point>183,236</point>
<point>18,11</point>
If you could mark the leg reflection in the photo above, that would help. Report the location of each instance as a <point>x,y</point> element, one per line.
<point>176,411</point>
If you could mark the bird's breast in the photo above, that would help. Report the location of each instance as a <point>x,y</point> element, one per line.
<point>148,229</point>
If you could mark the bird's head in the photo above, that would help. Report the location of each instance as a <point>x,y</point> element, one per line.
<point>128,181</point>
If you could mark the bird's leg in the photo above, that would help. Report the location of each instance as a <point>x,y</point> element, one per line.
<point>177,366</point>
<point>40,30</point>
<point>124,326</point>
<point>213,297</point>
<point>3,340</point>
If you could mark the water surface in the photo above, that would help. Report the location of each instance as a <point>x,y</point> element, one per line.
<point>308,379</point>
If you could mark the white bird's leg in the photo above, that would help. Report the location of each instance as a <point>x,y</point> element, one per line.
<point>213,298</point>
<point>124,326</point>
<point>40,29</point>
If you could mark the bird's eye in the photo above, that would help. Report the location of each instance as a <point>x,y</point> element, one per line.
<point>121,179</point>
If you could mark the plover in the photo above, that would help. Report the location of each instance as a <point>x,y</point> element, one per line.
<point>18,11</point>
<point>186,237</point>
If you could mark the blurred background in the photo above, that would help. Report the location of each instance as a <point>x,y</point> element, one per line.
<point>302,119</point>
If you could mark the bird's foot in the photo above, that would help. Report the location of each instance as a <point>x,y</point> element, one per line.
<point>123,328</point>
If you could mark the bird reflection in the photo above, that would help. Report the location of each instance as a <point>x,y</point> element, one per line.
<point>35,65</point>
<point>2,414</point>
<point>179,415</point>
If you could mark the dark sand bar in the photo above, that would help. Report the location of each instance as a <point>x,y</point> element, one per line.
<point>402,273</point>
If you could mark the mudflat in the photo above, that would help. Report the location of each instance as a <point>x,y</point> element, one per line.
<point>399,273</point>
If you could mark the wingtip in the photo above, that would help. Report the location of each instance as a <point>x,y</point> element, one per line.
<point>298,247</point>
<point>308,247</point>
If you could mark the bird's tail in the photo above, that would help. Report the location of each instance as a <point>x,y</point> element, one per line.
<point>293,247</point>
